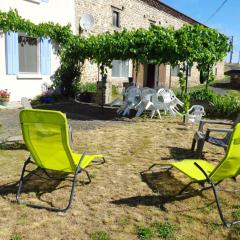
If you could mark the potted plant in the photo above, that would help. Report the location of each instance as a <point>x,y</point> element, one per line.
<point>46,97</point>
<point>4,97</point>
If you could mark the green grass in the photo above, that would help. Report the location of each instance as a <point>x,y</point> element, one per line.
<point>100,235</point>
<point>144,233</point>
<point>234,93</point>
<point>16,237</point>
<point>236,212</point>
<point>164,230</point>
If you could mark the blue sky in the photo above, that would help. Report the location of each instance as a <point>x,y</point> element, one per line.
<point>227,20</point>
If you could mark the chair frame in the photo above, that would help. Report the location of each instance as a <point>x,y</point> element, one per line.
<point>212,186</point>
<point>200,137</point>
<point>72,178</point>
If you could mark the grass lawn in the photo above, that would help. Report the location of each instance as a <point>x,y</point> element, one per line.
<point>119,204</point>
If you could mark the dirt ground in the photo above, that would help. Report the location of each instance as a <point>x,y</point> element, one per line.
<point>119,200</point>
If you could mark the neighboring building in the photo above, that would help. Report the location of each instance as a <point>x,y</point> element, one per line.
<point>114,15</point>
<point>28,63</point>
<point>234,74</point>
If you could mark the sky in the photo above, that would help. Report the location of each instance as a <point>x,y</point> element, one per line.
<point>226,20</point>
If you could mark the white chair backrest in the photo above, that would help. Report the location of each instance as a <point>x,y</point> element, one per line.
<point>165,95</point>
<point>196,111</point>
<point>147,93</point>
<point>132,93</point>
<point>25,103</point>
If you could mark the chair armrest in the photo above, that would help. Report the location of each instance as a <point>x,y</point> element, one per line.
<point>226,130</point>
<point>203,122</point>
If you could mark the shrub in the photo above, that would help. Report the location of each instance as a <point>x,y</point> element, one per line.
<point>115,90</point>
<point>221,105</point>
<point>202,95</point>
<point>87,87</point>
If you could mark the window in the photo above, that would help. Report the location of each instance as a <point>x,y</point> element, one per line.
<point>174,71</point>
<point>120,68</point>
<point>28,48</point>
<point>116,18</point>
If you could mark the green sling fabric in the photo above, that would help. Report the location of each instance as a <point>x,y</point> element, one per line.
<point>45,134</point>
<point>228,167</point>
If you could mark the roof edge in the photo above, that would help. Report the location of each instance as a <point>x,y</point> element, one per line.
<point>172,11</point>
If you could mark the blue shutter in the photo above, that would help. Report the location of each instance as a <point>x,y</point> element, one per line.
<point>12,55</point>
<point>45,56</point>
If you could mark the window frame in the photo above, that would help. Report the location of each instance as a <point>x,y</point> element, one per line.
<point>173,71</point>
<point>118,19</point>
<point>178,70</point>
<point>121,70</point>
<point>38,72</point>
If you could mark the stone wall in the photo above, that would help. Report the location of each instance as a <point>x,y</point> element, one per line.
<point>133,14</point>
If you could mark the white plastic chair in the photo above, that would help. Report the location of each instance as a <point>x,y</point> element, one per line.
<point>26,103</point>
<point>132,96</point>
<point>170,101</point>
<point>146,100</point>
<point>156,106</point>
<point>195,114</point>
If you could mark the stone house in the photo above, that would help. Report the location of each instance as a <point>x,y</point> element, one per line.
<point>114,15</point>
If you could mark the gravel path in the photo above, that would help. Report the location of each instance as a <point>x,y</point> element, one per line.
<point>81,116</point>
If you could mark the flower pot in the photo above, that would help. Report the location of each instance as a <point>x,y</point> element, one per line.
<point>4,101</point>
<point>46,99</point>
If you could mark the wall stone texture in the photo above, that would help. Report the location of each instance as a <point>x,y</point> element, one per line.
<point>133,14</point>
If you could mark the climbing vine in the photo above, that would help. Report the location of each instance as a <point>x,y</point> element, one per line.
<point>156,45</point>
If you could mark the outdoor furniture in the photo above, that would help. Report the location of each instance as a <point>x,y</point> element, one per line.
<point>146,100</point>
<point>46,137</point>
<point>131,99</point>
<point>203,172</point>
<point>200,137</point>
<point>170,101</point>
<point>195,114</point>
<point>26,103</point>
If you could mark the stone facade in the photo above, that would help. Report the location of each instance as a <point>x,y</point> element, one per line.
<point>135,14</point>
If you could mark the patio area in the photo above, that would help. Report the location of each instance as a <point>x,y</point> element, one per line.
<point>120,200</point>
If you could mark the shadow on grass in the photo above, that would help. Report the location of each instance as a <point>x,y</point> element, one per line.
<point>180,153</point>
<point>166,188</point>
<point>86,111</point>
<point>12,145</point>
<point>38,182</point>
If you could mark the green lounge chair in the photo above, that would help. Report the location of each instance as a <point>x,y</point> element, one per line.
<point>45,134</point>
<point>203,172</point>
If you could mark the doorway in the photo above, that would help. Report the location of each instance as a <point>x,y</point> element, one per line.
<point>150,81</point>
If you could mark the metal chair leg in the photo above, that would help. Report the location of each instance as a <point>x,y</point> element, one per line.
<point>88,176</point>
<point>21,180</point>
<point>193,144</point>
<point>43,207</point>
